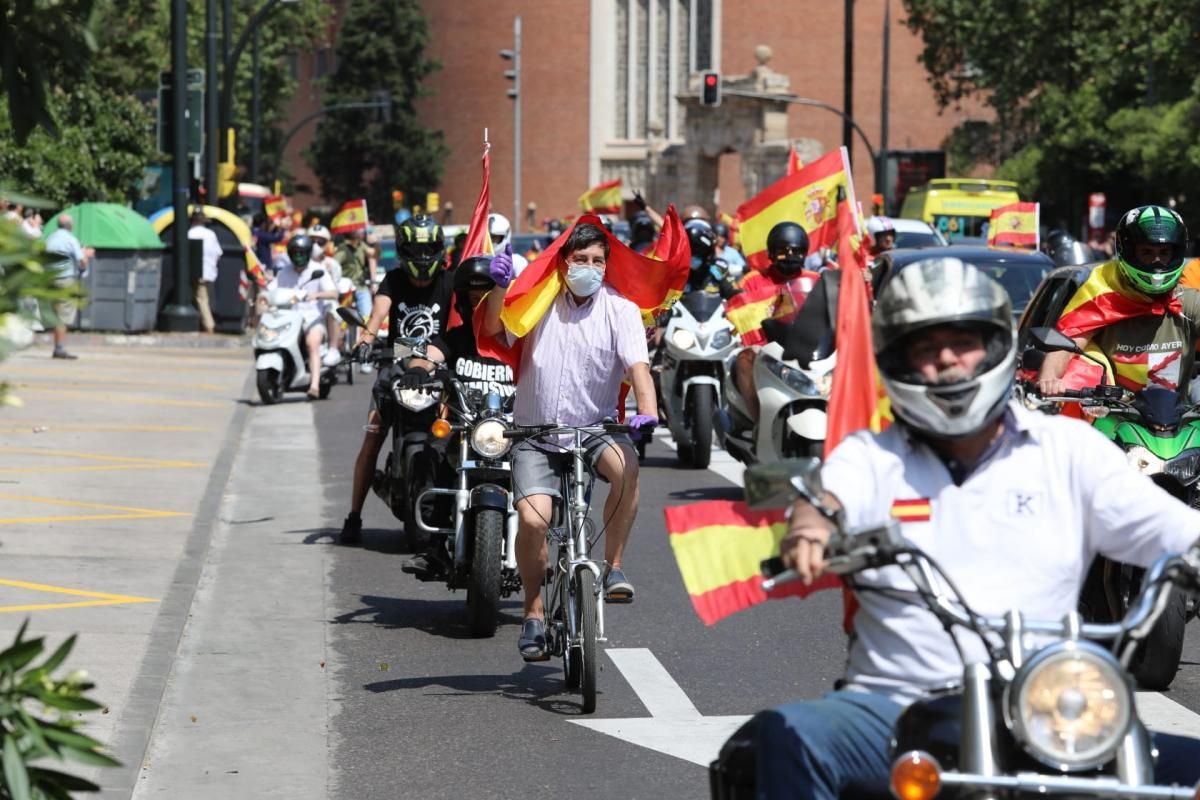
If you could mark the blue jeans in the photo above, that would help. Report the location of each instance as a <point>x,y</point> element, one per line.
<point>817,749</point>
<point>362,300</point>
<point>838,746</point>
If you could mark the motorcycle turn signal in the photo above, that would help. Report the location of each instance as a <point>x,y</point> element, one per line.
<point>440,429</point>
<point>916,776</point>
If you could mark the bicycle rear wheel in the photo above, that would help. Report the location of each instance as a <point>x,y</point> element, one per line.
<point>585,605</point>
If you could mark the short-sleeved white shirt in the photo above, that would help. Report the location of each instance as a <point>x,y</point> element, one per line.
<point>288,278</point>
<point>1020,532</point>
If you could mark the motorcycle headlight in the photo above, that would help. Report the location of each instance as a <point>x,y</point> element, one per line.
<point>684,340</point>
<point>1144,461</point>
<point>1184,466</point>
<point>415,399</point>
<point>488,439</point>
<point>790,375</point>
<point>721,339</point>
<point>268,334</point>
<point>1070,706</point>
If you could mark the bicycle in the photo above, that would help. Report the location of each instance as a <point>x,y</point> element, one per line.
<point>574,582</point>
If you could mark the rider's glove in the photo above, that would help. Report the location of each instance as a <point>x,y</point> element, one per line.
<point>502,267</point>
<point>642,427</point>
<point>362,352</point>
<point>638,200</point>
<point>413,378</point>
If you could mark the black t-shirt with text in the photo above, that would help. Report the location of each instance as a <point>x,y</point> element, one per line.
<point>473,370</point>
<point>420,311</point>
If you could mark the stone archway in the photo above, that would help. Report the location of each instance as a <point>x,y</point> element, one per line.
<point>755,126</point>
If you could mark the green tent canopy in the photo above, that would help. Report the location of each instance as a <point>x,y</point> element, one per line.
<point>108,226</point>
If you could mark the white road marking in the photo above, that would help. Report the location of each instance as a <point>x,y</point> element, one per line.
<point>655,687</point>
<point>721,462</point>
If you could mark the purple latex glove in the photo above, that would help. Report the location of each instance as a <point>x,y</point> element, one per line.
<point>502,267</point>
<point>642,426</point>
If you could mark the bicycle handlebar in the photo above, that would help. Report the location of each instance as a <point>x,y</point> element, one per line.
<point>530,431</point>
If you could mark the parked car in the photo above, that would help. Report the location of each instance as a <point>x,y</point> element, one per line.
<point>913,233</point>
<point>1018,271</point>
<point>1049,300</point>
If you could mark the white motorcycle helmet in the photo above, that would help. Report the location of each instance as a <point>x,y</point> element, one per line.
<point>499,228</point>
<point>321,237</point>
<point>930,293</point>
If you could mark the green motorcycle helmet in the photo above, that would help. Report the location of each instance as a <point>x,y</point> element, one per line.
<point>1151,225</point>
<point>421,246</point>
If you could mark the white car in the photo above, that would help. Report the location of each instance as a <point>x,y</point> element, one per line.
<point>911,233</point>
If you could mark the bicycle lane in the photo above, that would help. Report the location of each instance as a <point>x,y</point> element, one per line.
<point>417,700</point>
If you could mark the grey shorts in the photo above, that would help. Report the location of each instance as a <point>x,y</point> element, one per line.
<point>538,471</point>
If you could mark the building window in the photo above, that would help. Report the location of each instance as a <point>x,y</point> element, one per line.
<point>702,36</point>
<point>293,61</point>
<point>324,63</point>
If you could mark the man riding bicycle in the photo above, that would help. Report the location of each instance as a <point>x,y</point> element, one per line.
<point>1018,504</point>
<point>572,366</point>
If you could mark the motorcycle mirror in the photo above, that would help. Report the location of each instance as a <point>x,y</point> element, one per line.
<point>413,345</point>
<point>317,275</point>
<point>351,316</point>
<point>1031,359</point>
<point>1049,340</point>
<point>777,485</point>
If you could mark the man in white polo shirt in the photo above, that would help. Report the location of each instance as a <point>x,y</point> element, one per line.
<point>1013,505</point>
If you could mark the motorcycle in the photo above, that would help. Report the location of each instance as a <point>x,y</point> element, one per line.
<point>1160,436</point>
<point>792,398</point>
<point>280,354</point>
<point>1051,712</point>
<point>480,543</point>
<point>408,413</point>
<point>697,359</point>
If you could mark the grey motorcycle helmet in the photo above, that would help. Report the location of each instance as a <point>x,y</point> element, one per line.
<point>930,293</point>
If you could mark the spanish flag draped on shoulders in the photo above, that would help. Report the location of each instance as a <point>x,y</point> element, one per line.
<point>1148,339</point>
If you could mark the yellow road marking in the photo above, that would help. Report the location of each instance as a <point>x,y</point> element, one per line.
<point>128,511</point>
<point>157,462</point>
<point>26,389</point>
<point>102,598</point>
<point>74,380</point>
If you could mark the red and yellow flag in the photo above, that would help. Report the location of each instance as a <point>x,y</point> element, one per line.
<point>274,206</point>
<point>761,298</point>
<point>807,196</point>
<point>604,198</point>
<point>352,216</point>
<point>1015,225</point>
<point>719,545</point>
<point>795,163</point>
<point>479,241</point>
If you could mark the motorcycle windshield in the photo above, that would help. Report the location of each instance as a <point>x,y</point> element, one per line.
<point>701,305</point>
<point>1161,408</point>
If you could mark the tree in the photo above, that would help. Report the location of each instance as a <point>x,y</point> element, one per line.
<point>355,153</point>
<point>1079,89</point>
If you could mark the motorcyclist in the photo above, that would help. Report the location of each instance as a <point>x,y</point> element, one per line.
<point>321,238</point>
<point>708,271</point>
<point>1132,311</point>
<point>787,248</point>
<point>642,233</point>
<point>472,281</point>
<point>358,266</point>
<point>415,298</point>
<point>1018,503</point>
<point>299,274</point>
<point>883,235</point>
<point>501,232</point>
<point>732,257</point>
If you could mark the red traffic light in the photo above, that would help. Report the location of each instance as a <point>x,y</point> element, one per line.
<point>710,79</point>
<point>710,89</point>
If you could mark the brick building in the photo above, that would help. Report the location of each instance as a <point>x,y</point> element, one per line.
<point>608,87</point>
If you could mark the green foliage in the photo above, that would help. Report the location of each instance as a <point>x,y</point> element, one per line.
<point>37,722</point>
<point>1087,94</point>
<point>381,47</point>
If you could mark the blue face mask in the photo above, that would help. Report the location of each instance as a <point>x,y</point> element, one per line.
<point>584,281</point>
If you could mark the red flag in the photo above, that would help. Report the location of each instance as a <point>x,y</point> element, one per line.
<point>795,164</point>
<point>479,241</point>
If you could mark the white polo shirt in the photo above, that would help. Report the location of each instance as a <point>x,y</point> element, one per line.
<point>1020,532</point>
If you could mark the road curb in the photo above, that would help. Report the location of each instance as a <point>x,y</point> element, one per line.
<point>199,341</point>
<point>140,717</point>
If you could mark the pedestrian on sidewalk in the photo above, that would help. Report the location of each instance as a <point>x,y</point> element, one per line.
<point>208,274</point>
<point>75,258</point>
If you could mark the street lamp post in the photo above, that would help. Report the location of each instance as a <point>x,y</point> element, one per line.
<point>211,97</point>
<point>255,133</point>
<point>514,75</point>
<point>179,314</point>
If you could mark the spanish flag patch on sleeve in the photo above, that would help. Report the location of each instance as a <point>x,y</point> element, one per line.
<point>918,510</point>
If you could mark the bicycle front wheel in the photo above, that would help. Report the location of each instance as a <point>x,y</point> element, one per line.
<point>585,603</point>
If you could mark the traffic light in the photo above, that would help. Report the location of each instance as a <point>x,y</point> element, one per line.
<point>710,89</point>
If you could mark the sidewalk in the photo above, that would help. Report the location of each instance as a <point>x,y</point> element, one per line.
<point>76,339</point>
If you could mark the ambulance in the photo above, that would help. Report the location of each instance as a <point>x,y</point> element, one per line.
<point>959,208</point>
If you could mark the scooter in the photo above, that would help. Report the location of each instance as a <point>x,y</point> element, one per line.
<point>280,355</point>
<point>792,401</point>
<point>699,347</point>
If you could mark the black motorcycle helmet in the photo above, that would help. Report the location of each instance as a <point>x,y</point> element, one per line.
<point>787,247</point>
<point>299,251</point>
<point>641,228</point>
<point>421,246</point>
<point>721,230</point>
<point>702,239</point>
<point>471,274</point>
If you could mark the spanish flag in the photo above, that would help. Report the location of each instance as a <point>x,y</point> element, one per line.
<point>602,199</point>
<point>807,196</point>
<point>761,298</point>
<point>719,545</point>
<point>795,164</point>
<point>351,217</point>
<point>479,241</point>
<point>274,206</point>
<point>1015,224</point>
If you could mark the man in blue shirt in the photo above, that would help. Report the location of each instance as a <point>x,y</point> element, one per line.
<point>74,263</point>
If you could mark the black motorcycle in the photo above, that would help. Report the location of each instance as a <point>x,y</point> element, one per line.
<point>478,544</point>
<point>1050,714</point>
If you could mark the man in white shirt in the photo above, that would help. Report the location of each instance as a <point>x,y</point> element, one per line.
<point>322,255</point>
<point>1014,506</point>
<point>300,274</point>
<point>208,276</point>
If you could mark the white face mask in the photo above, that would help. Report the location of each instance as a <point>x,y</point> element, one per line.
<point>583,281</point>
<point>318,251</point>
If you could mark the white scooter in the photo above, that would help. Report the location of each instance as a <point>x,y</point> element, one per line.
<point>792,403</point>
<point>699,347</point>
<point>281,357</point>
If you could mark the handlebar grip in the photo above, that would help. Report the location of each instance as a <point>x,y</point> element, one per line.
<point>617,428</point>
<point>772,567</point>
